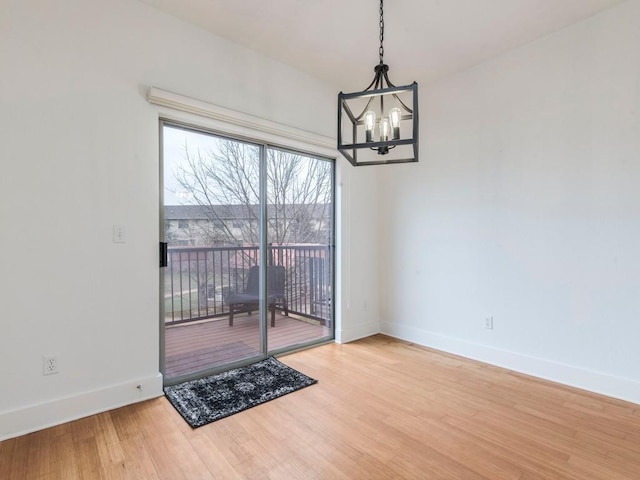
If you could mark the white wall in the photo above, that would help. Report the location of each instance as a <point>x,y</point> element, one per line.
<point>79,153</point>
<point>358,243</point>
<point>525,206</point>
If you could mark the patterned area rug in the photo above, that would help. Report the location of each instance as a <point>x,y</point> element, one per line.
<point>209,399</point>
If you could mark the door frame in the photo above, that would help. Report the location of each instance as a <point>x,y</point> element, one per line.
<point>263,145</point>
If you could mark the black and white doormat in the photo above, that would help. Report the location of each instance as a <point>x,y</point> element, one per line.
<point>209,399</point>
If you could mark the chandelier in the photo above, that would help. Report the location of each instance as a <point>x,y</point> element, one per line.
<point>379,125</point>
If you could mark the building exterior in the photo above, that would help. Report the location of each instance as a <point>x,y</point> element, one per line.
<point>237,225</point>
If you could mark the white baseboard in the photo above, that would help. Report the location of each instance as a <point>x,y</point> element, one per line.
<point>356,332</point>
<point>14,423</point>
<point>616,387</point>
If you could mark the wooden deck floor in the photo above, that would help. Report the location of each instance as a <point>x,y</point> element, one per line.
<point>211,343</point>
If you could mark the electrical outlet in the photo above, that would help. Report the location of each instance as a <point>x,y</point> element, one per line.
<point>488,323</point>
<point>49,365</point>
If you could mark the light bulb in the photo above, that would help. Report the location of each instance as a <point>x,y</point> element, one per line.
<point>369,123</point>
<point>384,129</point>
<point>395,115</point>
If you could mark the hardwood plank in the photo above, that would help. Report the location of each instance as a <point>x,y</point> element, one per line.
<point>382,409</point>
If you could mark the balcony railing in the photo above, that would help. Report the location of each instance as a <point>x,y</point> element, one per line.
<point>198,279</point>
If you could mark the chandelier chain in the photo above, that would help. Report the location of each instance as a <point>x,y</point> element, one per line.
<point>381,49</point>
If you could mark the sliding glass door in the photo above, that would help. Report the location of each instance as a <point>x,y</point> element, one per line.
<point>300,239</point>
<point>249,257</point>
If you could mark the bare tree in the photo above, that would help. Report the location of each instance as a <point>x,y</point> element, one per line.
<point>225,181</point>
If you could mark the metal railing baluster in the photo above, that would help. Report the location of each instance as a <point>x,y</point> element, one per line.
<point>225,270</point>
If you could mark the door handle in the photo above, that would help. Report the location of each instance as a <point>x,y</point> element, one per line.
<point>164,254</point>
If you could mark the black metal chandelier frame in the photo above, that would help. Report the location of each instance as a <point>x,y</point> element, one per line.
<point>389,126</point>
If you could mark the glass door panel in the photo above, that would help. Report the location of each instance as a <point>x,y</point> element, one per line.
<point>212,224</point>
<point>299,249</point>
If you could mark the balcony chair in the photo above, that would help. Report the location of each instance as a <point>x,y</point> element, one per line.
<point>248,300</point>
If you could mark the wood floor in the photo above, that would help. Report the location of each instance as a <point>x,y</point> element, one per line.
<point>191,347</point>
<point>382,409</point>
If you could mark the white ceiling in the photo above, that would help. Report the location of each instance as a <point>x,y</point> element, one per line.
<point>337,40</point>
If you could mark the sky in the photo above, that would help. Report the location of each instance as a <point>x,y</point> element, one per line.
<point>173,156</point>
